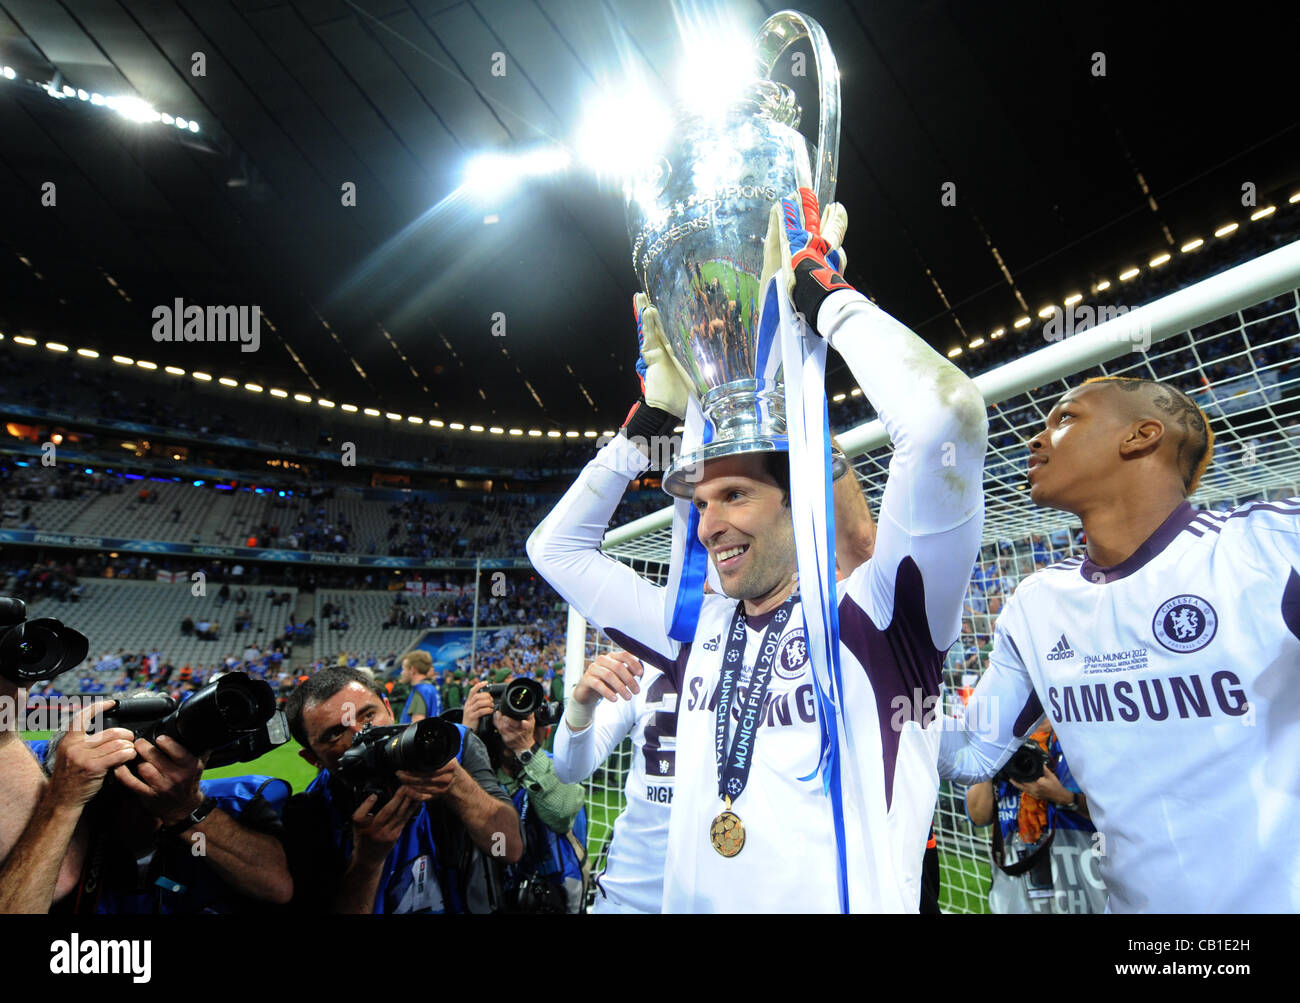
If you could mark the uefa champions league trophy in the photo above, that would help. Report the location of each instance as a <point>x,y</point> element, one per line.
<point>697,221</point>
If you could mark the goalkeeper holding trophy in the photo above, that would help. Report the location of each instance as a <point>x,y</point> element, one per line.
<point>801,786</point>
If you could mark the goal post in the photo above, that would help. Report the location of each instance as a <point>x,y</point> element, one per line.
<point>1232,341</point>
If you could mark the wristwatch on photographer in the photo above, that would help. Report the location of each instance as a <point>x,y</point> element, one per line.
<point>192,819</point>
<point>524,757</point>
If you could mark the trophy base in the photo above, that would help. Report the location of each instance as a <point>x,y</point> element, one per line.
<point>688,469</point>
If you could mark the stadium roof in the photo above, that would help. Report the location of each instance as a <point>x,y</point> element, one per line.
<point>1061,176</point>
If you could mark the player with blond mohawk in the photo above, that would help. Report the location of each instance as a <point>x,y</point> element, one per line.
<point>1167,659</point>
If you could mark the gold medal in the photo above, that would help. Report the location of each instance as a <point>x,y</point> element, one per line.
<point>727,833</point>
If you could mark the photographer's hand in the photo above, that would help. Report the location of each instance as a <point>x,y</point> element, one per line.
<point>30,873</point>
<point>373,838</point>
<point>1047,788</point>
<point>478,705</point>
<point>166,779</point>
<point>518,735</point>
<point>84,760</point>
<point>427,786</point>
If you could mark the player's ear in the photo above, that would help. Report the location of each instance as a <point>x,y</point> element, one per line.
<point>1143,438</point>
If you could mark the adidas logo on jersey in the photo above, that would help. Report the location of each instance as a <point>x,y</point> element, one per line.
<point>712,643</point>
<point>1060,650</point>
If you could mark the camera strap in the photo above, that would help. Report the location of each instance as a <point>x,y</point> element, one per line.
<point>1025,863</point>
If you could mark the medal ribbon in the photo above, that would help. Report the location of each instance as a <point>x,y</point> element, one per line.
<point>733,765</point>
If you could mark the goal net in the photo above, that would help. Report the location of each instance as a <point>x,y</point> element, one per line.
<point>1232,341</point>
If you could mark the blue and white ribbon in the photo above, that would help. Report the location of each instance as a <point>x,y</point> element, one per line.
<point>803,356</point>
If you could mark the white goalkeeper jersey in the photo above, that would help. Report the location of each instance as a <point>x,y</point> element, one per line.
<point>899,612</point>
<point>633,877</point>
<point>1173,683</point>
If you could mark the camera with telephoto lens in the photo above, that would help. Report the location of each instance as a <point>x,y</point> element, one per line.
<point>377,753</point>
<point>1026,765</point>
<point>32,650</point>
<point>231,720</point>
<point>521,697</point>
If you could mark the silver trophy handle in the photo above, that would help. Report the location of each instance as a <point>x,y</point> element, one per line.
<point>778,33</point>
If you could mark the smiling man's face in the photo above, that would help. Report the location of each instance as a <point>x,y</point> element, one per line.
<point>746,525</point>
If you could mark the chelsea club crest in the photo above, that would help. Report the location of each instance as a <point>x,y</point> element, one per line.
<point>1185,623</point>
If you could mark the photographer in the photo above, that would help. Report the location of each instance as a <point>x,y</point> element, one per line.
<point>423,699</point>
<point>417,852</point>
<point>1043,850</point>
<point>555,855</point>
<point>152,839</point>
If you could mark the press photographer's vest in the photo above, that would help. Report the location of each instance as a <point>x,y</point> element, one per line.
<point>176,879</point>
<point>418,875</point>
<point>553,856</point>
<point>432,703</point>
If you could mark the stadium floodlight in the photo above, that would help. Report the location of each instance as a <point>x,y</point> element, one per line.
<point>68,91</point>
<point>954,352</point>
<point>1259,214</point>
<point>1021,322</point>
<point>277,392</point>
<point>436,422</point>
<point>87,353</point>
<point>167,119</point>
<point>1191,245</point>
<point>20,339</point>
<point>174,370</point>
<point>1073,298</point>
<point>253,388</point>
<point>1294,199</point>
<point>717,60</point>
<point>998,333</point>
<point>415,419</point>
<point>476,428</point>
<point>590,434</point>
<point>55,346</point>
<point>349,408</point>
<point>1046,311</point>
<point>456,426</point>
<point>623,131</point>
<point>82,95</point>
<point>324,403</point>
<point>497,430</point>
<point>516,431</point>
<point>302,398</point>
<point>855,392</point>
<point>9,73</point>
<point>96,99</point>
<point>391,416</point>
<point>1129,273</point>
<point>1223,231</point>
<point>1103,285</point>
<point>838,397</point>
<point>133,108</point>
<point>553,434</point>
<point>494,174</point>
<point>146,365</point>
<point>121,360</point>
<point>202,377</point>
<point>371,412</point>
<point>182,123</point>
<point>194,126</point>
<point>977,343</point>
<point>535,433</point>
<point>1159,259</point>
<point>226,381</point>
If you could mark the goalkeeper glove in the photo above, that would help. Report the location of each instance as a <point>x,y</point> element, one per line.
<point>805,250</point>
<point>664,386</point>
